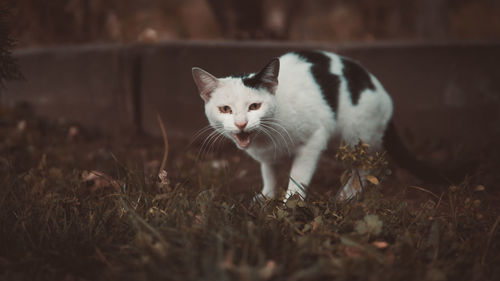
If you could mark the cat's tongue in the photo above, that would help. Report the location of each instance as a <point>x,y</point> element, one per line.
<point>243,139</point>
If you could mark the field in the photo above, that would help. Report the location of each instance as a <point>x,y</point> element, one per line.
<point>76,204</point>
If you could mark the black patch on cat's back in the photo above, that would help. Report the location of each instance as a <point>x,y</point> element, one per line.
<point>327,81</point>
<point>358,79</point>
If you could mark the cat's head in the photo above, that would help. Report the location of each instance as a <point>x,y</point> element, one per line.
<point>236,106</point>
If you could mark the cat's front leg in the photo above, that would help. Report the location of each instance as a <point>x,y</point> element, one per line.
<point>269,171</point>
<point>305,161</point>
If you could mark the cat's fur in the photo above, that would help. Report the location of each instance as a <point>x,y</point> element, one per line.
<point>293,107</point>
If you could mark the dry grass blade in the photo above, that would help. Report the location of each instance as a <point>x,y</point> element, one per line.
<point>425,190</point>
<point>137,220</point>
<point>165,143</point>
<point>439,201</point>
<point>490,237</point>
<point>102,258</point>
<point>100,180</point>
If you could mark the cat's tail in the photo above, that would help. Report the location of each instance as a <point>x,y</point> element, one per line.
<point>397,151</point>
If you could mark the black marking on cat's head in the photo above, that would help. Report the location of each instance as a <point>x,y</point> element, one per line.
<point>358,79</point>
<point>327,81</point>
<point>267,78</point>
<point>205,82</point>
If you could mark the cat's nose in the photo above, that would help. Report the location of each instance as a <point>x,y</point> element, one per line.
<point>241,125</point>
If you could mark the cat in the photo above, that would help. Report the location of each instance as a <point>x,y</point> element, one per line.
<point>293,106</point>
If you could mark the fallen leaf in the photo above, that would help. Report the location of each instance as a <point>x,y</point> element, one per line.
<point>55,173</point>
<point>371,224</point>
<point>352,252</point>
<point>318,221</point>
<point>21,125</point>
<point>380,244</point>
<point>73,132</point>
<point>148,35</point>
<point>480,188</point>
<point>227,263</point>
<point>292,203</point>
<point>372,179</point>
<point>268,270</point>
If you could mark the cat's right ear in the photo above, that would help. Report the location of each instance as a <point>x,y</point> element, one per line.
<point>205,82</point>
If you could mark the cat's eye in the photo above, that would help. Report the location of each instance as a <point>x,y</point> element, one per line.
<point>254,106</point>
<point>225,109</point>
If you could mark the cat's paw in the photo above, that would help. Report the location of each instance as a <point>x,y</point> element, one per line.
<point>291,193</point>
<point>261,198</point>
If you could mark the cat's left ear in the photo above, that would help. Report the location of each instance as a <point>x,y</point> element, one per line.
<point>268,76</point>
<point>205,82</point>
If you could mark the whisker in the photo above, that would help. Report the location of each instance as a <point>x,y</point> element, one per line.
<point>284,141</point>
<point>214,141</point>
<point>204,149</point>
<point>203,145</point>
<point>280,140</point>
<point>199,133</point>
<point>219,141</point>
<point>277,122</point>
<point>265,131</point>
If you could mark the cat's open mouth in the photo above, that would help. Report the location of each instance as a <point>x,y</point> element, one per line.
<point>243,139</point>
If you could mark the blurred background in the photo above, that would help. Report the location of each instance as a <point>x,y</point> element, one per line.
<point>432,55</point>
<point>41,22</point>
<point>437,58</point>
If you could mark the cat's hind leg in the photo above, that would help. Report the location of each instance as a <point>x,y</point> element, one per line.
<point>354,186</point>
<point>357,181</point>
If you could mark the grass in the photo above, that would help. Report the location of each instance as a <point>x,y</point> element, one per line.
<point>60,220</point>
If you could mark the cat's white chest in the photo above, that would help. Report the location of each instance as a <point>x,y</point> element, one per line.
<point>282,147</point>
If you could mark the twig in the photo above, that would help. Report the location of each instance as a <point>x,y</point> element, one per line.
<point>490,236</point>
<point>439,201</point>
<point>453,210</point>
<point>165,142</point>
<point>425,190</point>
<point>247,211</point>
<point>138,220</point>
<point>102,258</point>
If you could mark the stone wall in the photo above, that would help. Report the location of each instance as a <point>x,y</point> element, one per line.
<point>447,92</point>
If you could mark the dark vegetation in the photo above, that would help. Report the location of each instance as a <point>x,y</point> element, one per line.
<point>78,205</point>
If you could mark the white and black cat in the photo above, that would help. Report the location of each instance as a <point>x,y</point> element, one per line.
<point>293,106</point>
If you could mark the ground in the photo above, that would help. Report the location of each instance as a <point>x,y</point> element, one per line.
<point>76,204</point>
